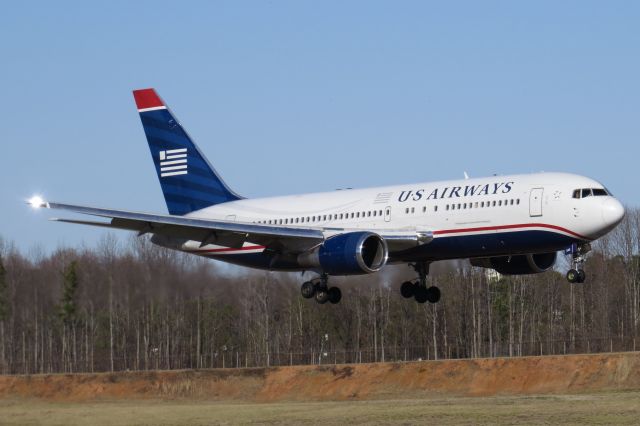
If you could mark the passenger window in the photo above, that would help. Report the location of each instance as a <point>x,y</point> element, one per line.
<point>374,213</point>
<point>518,201</point>
<point>586,192</point>
<point>435,208</point>
<point>459,205</point>
<point>424,209</point>
<point>413,209</point>
<point>493,203</point>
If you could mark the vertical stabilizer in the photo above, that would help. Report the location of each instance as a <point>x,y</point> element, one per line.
<point>187,179</point>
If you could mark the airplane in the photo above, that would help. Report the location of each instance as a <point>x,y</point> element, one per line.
<point>514,224</point>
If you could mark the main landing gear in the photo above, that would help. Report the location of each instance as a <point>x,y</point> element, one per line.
<point>318,288</point>
<point>418,288</point>
<point>576,273</point>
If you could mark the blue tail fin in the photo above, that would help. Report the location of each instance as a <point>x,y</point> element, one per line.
<point>188,181</point>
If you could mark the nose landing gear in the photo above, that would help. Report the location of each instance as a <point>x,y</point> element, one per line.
<point>418,289</point>
<point>578,252</point>
<point>319,289</point>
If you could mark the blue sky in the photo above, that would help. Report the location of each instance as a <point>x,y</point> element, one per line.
<point>290,97</point>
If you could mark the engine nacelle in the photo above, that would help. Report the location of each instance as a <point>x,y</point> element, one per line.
<point>353,253</point>
<point>518,265</point>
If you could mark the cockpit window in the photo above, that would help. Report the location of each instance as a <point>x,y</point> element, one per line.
<point>588,192</point>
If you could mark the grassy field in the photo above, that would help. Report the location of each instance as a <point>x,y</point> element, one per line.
<point>596,408</point>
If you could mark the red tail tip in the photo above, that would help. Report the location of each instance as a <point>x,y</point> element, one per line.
<point>147,98</point>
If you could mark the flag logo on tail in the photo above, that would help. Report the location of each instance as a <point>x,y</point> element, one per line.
<point>173,162</point>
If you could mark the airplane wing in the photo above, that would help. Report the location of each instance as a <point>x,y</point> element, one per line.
<point>223,233</point>
<point>226,233</point>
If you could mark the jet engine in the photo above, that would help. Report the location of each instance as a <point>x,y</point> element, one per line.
<point>518,265</point>
<point>353,253</point>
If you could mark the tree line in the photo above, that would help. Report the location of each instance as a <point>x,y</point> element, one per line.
<point>129,305</point>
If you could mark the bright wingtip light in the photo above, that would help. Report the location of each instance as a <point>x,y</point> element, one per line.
<point>37,202</point>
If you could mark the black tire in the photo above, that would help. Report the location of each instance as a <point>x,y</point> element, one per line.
<point>420,294</point>
<point>407,289</point>
<point>335,295</point>
<point>581,276</point>
<point>308,290</point>
<point>572,276</point>
<point>322,295</point>
<point>433,294</point>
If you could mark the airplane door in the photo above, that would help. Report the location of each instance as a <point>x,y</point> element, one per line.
<point>535,202</point>
<point>387,214</point>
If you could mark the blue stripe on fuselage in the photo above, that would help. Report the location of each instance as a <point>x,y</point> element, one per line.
<point>441,248</point>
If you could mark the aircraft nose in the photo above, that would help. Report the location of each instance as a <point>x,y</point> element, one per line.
<point>612,212</point>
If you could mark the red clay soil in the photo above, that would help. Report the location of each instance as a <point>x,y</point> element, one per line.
<point>476,377</point>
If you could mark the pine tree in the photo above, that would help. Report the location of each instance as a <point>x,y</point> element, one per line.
<point>4,314</point>
<point>68,307</point>
<point>4,293</point>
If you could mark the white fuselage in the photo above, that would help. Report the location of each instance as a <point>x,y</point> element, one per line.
<point>468,218</point>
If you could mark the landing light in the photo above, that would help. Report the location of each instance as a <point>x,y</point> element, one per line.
<point>36,202</point>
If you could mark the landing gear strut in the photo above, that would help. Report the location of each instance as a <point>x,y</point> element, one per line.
<point>418,289</point>
<point>318,288</point>
<point>576,273</point>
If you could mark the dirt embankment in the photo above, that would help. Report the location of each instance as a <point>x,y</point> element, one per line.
<point>476,377</point>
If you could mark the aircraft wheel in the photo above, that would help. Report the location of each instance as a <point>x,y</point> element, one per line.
<point>573,276</point>
<point>433,294</point>
<point>407,289</point>
<point>322,295</point>
<point>581,276</point>
<point>420,294</point>
<point>335,295</point>
<point>308,290</point>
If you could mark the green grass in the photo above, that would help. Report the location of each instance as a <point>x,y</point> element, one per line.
<point>597,408</point>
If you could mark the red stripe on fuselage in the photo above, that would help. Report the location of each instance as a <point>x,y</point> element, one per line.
<point>440,232</point>
<point>501,227</point>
